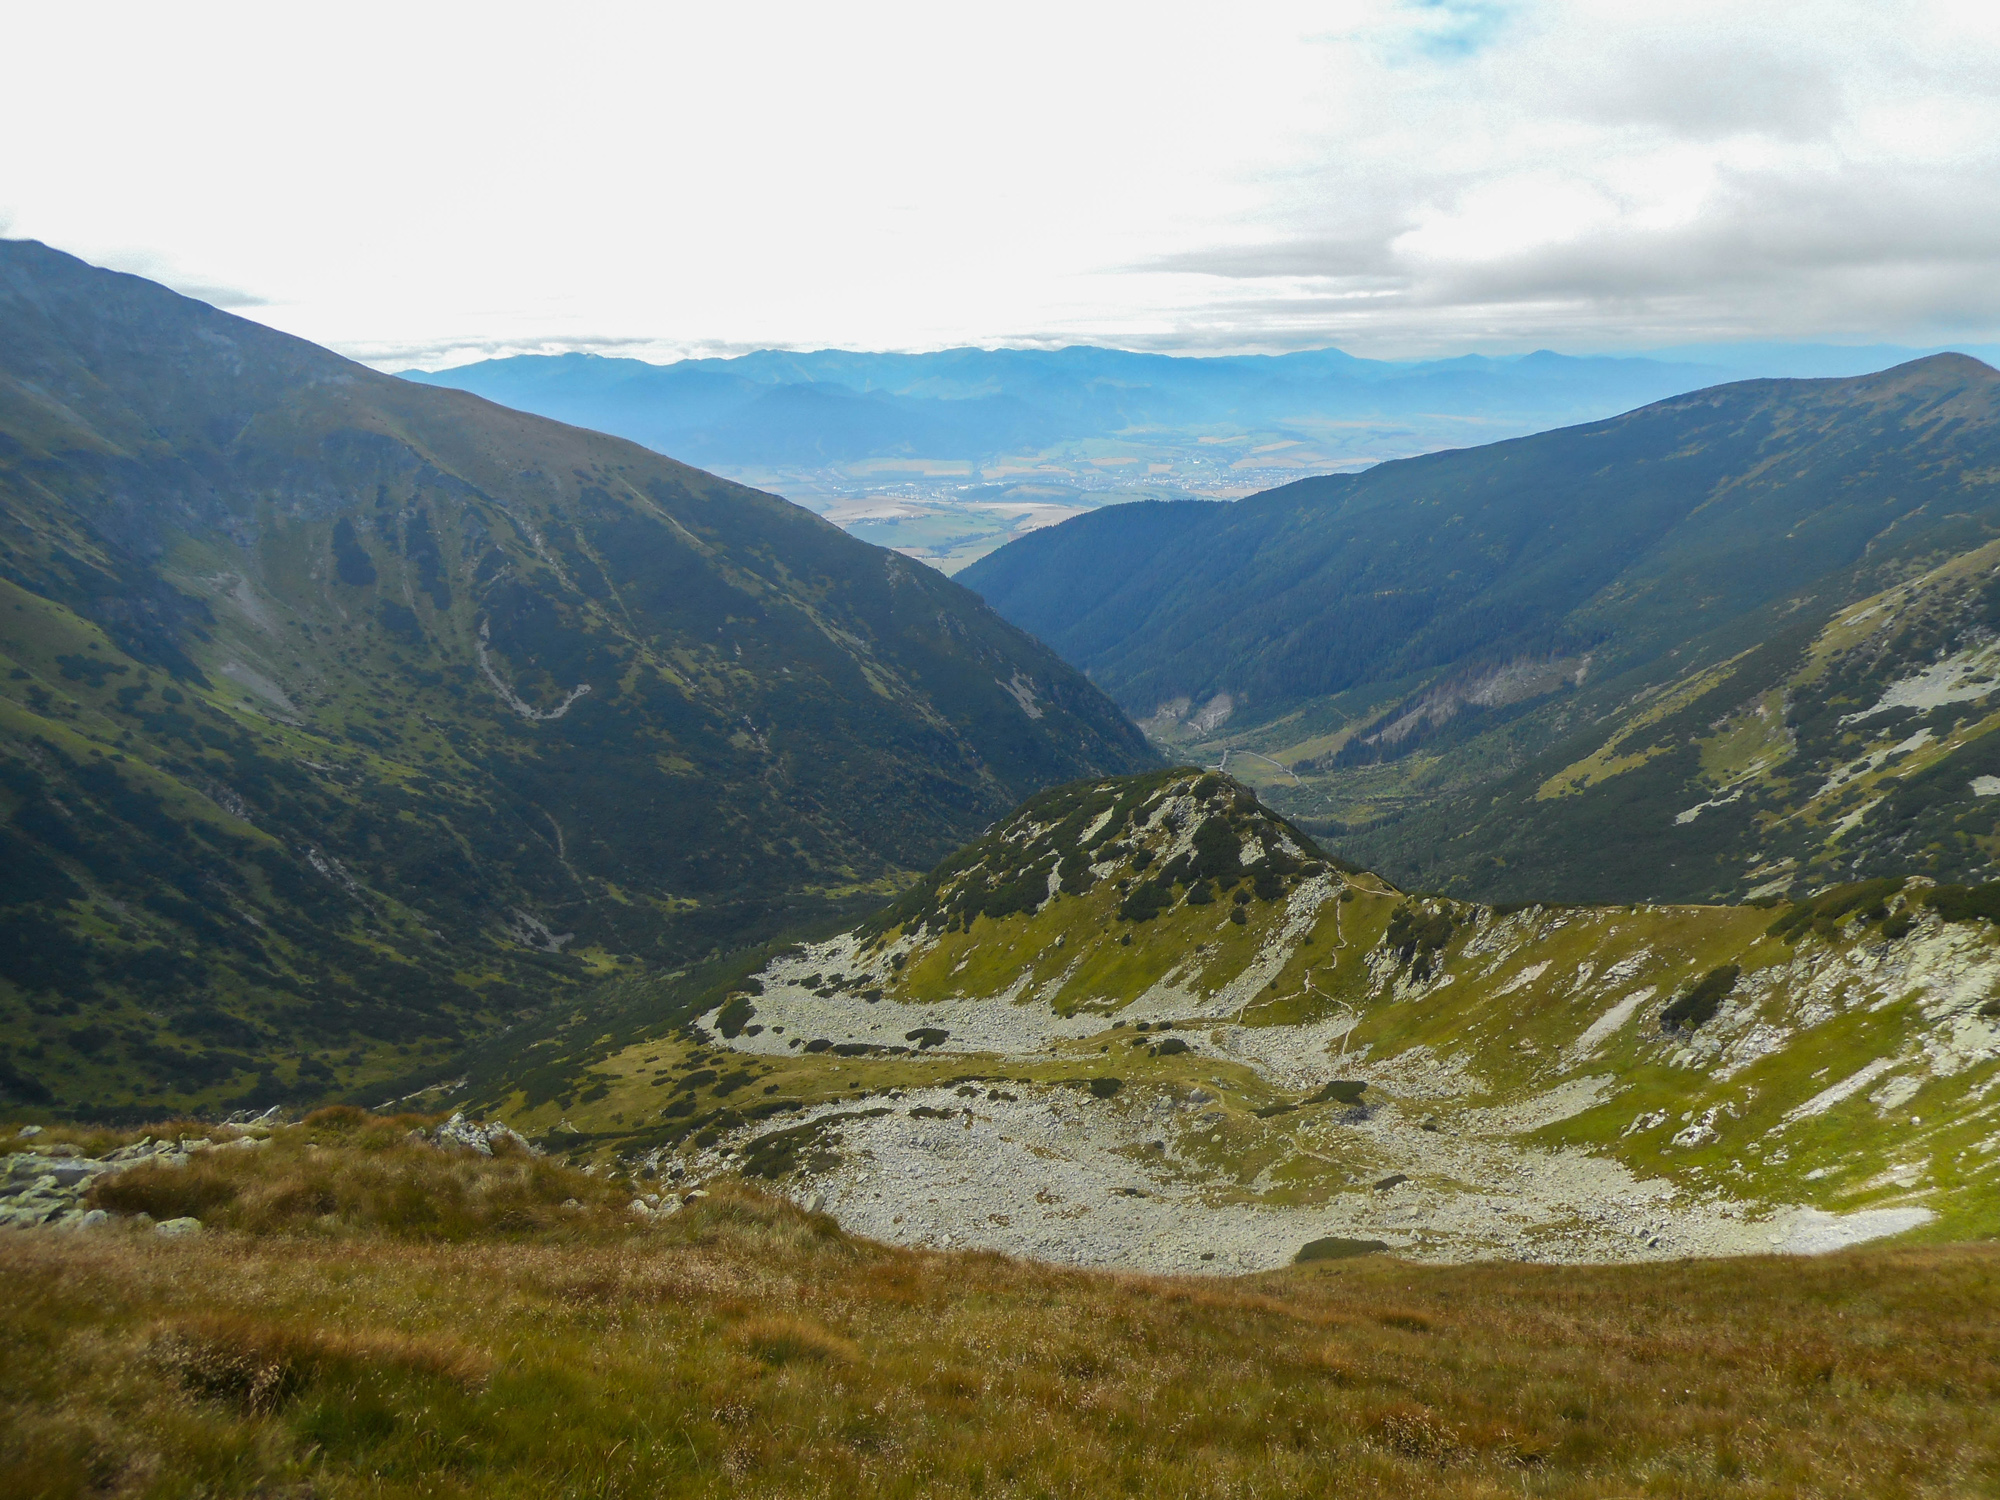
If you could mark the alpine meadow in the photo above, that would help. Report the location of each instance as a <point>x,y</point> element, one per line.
<point>1038,754</point>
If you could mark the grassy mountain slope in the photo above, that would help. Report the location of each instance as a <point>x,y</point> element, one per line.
<point>1401,641</point>
<point>1146,1022</point>
<point>1637,533</point>
<point>367,1314</point>
<point>343,719</point>
<point>1860,747</point>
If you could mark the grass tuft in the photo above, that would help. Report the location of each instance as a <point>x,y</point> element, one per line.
<point>787,1340</point>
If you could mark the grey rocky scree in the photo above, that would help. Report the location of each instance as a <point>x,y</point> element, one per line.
<point>47,1186</point>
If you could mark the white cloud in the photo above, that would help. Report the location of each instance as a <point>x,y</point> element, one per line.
<point>423,184</point>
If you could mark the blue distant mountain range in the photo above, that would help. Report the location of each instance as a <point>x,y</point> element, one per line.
<point>789,409</point>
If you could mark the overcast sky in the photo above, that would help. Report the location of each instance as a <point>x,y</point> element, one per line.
<point>432,183</point>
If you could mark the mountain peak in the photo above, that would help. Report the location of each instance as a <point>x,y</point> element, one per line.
<point>1948,368</point>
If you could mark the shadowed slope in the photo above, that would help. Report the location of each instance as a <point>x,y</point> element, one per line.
<point>343,712</point>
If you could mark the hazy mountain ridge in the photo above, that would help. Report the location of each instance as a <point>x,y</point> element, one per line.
<point>1146,1022</point>
<point>342,714</point>
<point>979,402</point>
<point>945,455</point>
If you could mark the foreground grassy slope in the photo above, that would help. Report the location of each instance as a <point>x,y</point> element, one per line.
<point>327,1335</point>
<point>344,720</point>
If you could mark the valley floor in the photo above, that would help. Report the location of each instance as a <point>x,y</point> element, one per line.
<point>1053,1178</point>
<point>1026,1166</point>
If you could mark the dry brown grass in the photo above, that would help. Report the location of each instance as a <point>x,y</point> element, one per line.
<point>345,1171</point>
<point>260,1363</point>
<point>743,1347</point>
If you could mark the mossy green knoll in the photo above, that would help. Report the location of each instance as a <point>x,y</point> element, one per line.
<point>1321,1053</point>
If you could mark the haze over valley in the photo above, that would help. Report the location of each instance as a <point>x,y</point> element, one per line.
<point>945,457</point>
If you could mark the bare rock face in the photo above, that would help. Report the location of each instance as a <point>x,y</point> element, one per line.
<point>474,1136</point>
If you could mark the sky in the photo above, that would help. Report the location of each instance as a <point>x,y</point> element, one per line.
<point>428,184</point>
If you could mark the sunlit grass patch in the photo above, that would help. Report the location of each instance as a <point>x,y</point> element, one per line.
<point>742,1345</point>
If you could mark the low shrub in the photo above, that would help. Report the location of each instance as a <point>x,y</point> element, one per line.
<point>1965,903</point>
<point>1416,935</point>
<point>1146,901</point>
<point>1824,912</point>
<point>1336,1247</point>
<point>1701,1000</point>
<point>1339,1091</point>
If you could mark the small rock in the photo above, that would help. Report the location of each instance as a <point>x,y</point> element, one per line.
<point>70,1174</point>
<point>813,1203</point>
<point>572,1203</point>
<point>697,1193</point>
<point>94,1219</point>
<point>27,1130</point>
<point>474,1136</point>
<point>641,1207</point>
<point>62,1149</point>
<point>1394,1179</point>
<point>174,1228</point>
